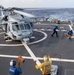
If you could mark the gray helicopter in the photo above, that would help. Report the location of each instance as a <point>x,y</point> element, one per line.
<point>16,24</point>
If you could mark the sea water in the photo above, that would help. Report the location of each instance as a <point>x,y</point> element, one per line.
<point>63,14</point>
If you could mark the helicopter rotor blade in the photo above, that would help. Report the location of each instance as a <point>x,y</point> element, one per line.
<point>25,14</point>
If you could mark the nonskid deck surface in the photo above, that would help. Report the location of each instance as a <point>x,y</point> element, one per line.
<point>61,50</point>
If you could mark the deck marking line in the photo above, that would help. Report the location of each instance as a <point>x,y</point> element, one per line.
<point>31,53</point>
<point>39,58</point>
<point>62,60</point>
<point>2,32</point>
<point>14,56</point>
<point>70,27</point>
<point>11,44</point>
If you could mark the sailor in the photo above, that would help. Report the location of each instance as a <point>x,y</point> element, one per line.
<point>69,34</point>
<point>45,66</point>
<point>13,69</point>
<point>55,31</point>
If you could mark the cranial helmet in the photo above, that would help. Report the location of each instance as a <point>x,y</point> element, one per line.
<point>12,63</point>
<point>45,58</point>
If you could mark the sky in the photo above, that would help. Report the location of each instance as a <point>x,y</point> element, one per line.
<point>38,3</point>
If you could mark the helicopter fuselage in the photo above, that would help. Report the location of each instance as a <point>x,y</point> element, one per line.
<point>17,28</point>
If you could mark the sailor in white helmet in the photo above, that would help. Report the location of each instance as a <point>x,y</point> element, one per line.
<point>16,70</point>
<point>45,66</point>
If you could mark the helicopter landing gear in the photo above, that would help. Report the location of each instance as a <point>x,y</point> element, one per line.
<point>26,40</point>
<point>6,37</point>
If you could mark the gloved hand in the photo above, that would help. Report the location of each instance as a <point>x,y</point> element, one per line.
<point>21,59</point>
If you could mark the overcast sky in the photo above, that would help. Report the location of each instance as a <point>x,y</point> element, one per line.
<point>38,3</point>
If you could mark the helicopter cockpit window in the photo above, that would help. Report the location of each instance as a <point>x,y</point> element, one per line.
<point>15,27</point>
<point>27,26</point>
<point>21,26</point>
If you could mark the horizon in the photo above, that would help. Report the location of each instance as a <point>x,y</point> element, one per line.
<point>41,7</point>
<point>38,3</point>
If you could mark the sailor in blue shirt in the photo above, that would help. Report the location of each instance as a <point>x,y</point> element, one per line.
<point>13,69</point>
<point>55,31</point>
<point>70,32</point>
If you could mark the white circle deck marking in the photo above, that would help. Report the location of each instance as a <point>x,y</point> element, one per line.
<point>45,36</point>
<point>2,32</point>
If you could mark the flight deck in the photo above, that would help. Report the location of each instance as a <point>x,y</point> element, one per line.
<point>61,50</point>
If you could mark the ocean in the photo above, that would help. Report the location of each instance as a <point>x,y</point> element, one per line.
<point>62,14</point>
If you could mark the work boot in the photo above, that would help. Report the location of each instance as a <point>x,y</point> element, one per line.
<point>52,35</point>
<point>57,36</point>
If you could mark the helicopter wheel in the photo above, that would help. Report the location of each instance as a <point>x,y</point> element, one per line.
<point>6,37</point>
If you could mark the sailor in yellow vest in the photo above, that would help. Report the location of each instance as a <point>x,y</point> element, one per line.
<point>45,66</point>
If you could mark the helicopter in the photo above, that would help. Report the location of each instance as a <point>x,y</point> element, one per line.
<point>16,24</point>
